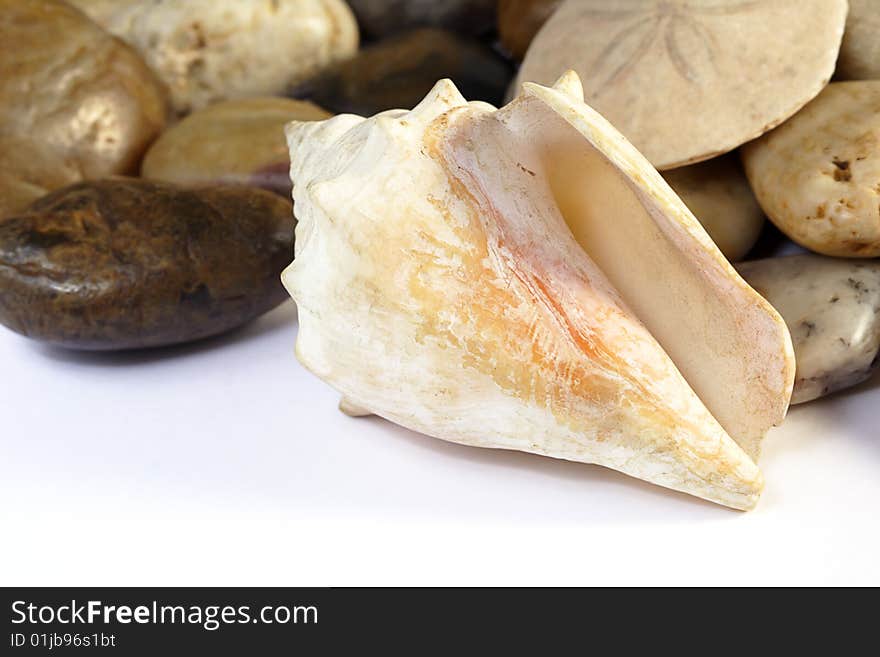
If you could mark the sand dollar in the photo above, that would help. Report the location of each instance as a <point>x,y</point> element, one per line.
<point>686,80</point>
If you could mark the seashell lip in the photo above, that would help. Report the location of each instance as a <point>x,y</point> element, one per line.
<point>522,278</point>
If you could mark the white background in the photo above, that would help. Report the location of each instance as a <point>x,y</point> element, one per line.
<point>227,463</point>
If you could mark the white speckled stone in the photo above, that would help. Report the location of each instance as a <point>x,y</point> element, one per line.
<point>816,176</point>
<point>832,308</point>
<point>207,50</point>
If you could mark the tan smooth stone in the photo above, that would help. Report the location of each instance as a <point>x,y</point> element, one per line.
<point>817,176</point>
<point>718,194</point>
<point>239,142</point>
<point>74,101</point>
<point>207,50</point>
<point>520,20</point>
<point>860,51</point>
<point>687,80</point>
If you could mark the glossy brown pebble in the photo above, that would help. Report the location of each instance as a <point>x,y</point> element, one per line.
<point>380,18</point>
<point>520,20</point>
<point>237,142</point>
<point>86,101</point>
<point>399,72</point>
<point>124,263</point>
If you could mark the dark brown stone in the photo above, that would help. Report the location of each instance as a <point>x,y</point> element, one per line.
<point>380,18</point>
<point>124,263</point>
<point>520,20</point>
<point>397,73</point>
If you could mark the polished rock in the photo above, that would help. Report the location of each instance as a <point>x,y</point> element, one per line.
<point>30,169</point>
<point>520,20</point>
<point>860,51</point>
<point>236,142</point>
<point>126,263</point>
<point>75,102</point>
<point>817,176</point>
<point>832,308</point>
<point>207,51</point>
<point>398,72</point>
<point>718,194</point>
<point>380,18</point>
<point>686,81</point>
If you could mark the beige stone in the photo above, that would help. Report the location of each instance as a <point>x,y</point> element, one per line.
<point>718,194</point>
<point>688,80</point>
<point>74,101</point>
<point>860,50</point>
<point>239,142</point>
<point>817,176</point>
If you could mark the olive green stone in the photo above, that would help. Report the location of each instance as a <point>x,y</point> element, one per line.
<point>399,72</point>
<point>124,263</point>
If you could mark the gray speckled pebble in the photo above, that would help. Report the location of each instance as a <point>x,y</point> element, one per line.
<point>832,308</point>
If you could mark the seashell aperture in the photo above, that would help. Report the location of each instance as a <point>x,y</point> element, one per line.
<point>523,279</point>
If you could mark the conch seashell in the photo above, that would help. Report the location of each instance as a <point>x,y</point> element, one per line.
<point>523,279</point>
